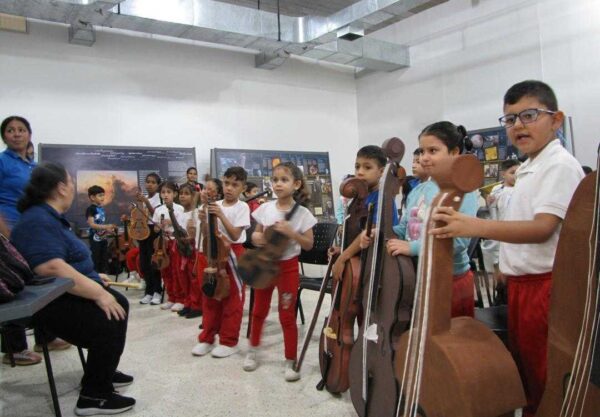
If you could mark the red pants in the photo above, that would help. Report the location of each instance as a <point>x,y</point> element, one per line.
<point>287,289</point>
<point>172,276</point>
<point>224,317</point>
<point>463,295</point>
<point>132,259</point>
<point>528,307</point>
<point>194,295</point>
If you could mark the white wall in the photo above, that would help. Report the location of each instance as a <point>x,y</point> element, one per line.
<point>136,91</point>
<point>466,53</point>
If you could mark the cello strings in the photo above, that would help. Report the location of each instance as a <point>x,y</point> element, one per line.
<point>569,402</point>
<point>371,279</point>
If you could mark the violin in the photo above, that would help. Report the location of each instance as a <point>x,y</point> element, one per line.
<point>138,227</point>
<point>259,267</point>
<point>573,383</point>
<point>387,295</point>
<point>451,367</point>
<point>216,247</point>
<point>337,337</point>
<point>183,244</point>
<point>160,257</point>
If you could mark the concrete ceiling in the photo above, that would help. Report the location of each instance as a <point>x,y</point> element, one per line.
<point>296,8</point>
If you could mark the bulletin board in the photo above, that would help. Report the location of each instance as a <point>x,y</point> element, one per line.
<point>259,165</point>
<point>120,170</point>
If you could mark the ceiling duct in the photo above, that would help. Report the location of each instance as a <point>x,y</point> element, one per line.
<point>273,37</point>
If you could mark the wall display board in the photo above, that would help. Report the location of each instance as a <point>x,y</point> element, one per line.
<point>259,165</point>
<point>120,170</point>
<point>492,146</point>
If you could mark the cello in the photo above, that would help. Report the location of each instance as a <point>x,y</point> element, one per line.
<point>573,384</point>
<point>216,247</point>
<point>337,336</point>
<point>451,367</point>
<point>387,297</point>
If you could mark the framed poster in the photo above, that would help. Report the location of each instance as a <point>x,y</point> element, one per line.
<point>259,165</point>
<point>120,170</point>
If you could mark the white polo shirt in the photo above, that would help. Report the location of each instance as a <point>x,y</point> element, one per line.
<point>238,215</point>
<point>544,185</point>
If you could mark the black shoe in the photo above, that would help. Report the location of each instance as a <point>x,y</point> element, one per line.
<point>113,404</point>
<point>120,379</point>
<point>183,311</point>
<point>192,314</point>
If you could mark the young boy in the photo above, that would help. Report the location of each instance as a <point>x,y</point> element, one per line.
<point>530,229</point>
<point>369,166</point>
<point>96,217</point>
<point>224,317</point>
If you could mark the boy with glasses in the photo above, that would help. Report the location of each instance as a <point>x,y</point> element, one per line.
<point>530,229</point>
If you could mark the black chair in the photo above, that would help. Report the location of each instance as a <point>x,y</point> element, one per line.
<point>324,235</point>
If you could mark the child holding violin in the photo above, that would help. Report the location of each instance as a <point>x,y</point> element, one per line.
<point>289,187</point>
<point>369,166</point>
<point>224,317</point>
<point>192,304</point>
<point>438,143</point>
<point>171,274</point>
<point>151,276</point>
<point>96,218</point>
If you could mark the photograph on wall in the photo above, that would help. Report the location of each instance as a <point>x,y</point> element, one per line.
<point>259,165</point>
<point>120,170</point>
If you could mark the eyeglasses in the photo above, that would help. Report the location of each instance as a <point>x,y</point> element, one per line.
<point>526,116</point>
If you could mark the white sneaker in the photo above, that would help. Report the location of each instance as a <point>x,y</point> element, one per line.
<point>290,374</point>
<point>167,305</point>
<point>177,307</point>
<point>251,362</point>
<point>223,351</point>
<point>155,299</point>
<point>146,299</point>
<point>202,349</point>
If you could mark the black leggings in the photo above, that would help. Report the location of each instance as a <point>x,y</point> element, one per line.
<point>151,275</point>
<point>81,322</point>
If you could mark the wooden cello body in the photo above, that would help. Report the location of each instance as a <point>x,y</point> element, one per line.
<point>337,336</point>
<point>138,225</point>
<point>573,384</point>
<point>216,247</point>
<point>451,367</point>
<point>387,296</point>
<point>160,257</point>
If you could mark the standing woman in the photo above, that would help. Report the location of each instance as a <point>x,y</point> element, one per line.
<point>15,170</point>
<point>89,315</point>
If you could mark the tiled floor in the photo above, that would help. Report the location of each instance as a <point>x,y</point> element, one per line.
<point>169,381</point>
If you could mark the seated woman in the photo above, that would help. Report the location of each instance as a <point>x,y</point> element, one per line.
<point>89,315</point>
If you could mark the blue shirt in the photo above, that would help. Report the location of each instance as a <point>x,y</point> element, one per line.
<point>372,198</point>
<point>14,176</point>
<point>42,234</point>
<point>411,223</point>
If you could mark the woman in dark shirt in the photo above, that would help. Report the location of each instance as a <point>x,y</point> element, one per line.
<point>89,315</point>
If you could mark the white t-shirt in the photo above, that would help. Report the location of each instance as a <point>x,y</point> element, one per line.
<point>185,219</point>
<point>160,210</point>
<point>544,185</point>
<point>154,201</point>
<point>238,215</point>
<point>268,214</point>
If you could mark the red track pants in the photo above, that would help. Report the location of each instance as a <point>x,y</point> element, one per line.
<point>224,317</point>
<point>287,289</point>
<point>463,295</point>
<point>132,258</point>
<point>528,307</point>
<point>194,295</point>
<point>172,276</point>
